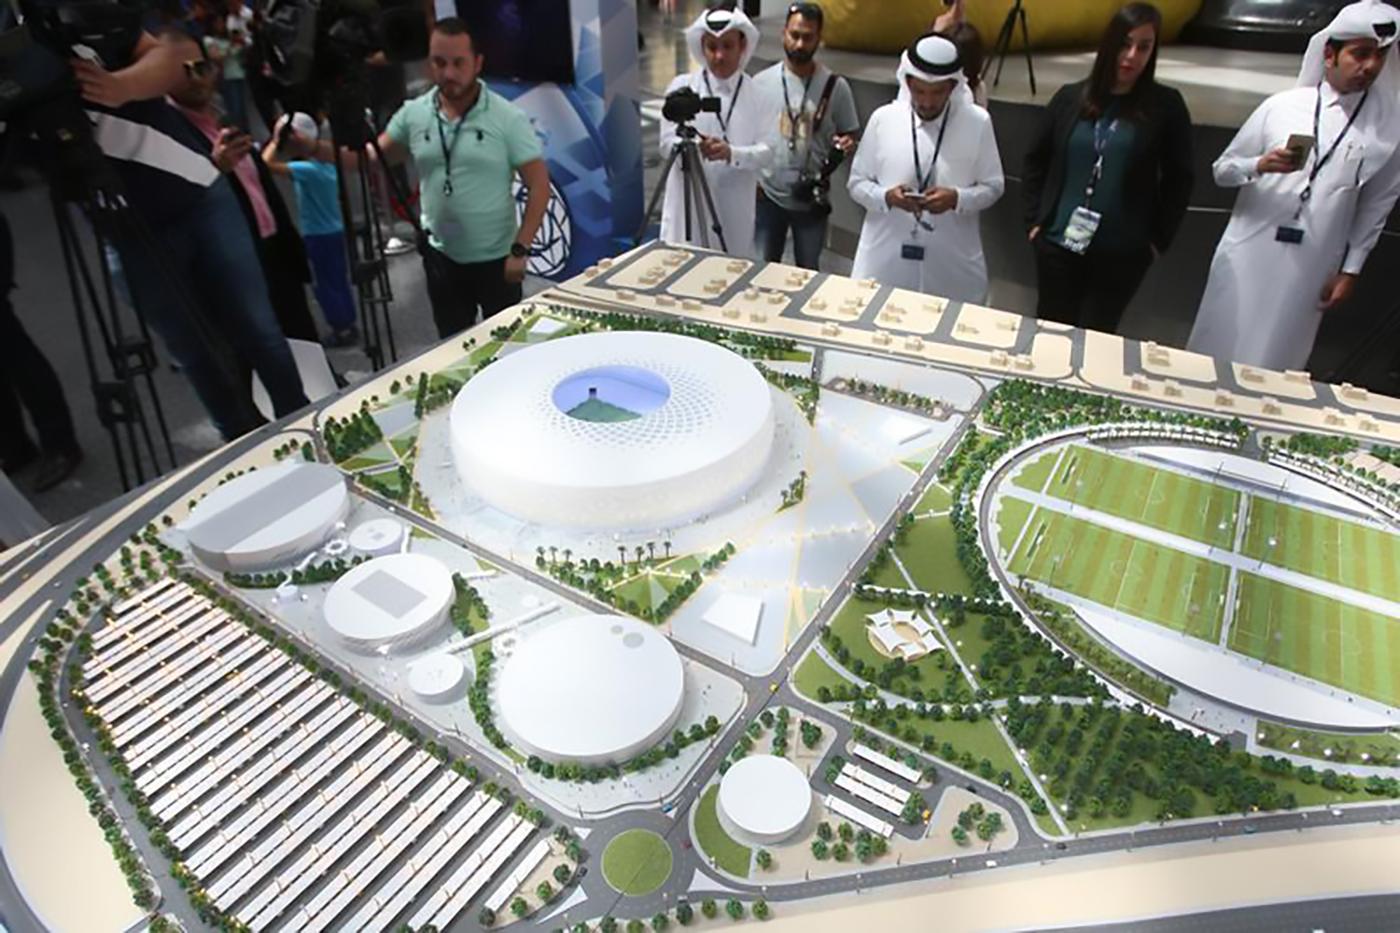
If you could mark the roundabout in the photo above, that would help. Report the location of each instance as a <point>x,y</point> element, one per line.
<point>637,862</point>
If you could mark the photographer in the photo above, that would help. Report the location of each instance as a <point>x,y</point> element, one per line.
<point>468,143</point>
<point>200,251</point>
<point>816,128</point>
<point>733,141</point>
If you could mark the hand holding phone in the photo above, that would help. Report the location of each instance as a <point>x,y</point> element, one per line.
<point>1301,146</point>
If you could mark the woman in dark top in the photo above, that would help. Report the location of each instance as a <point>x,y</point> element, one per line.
<point>1107,178</point>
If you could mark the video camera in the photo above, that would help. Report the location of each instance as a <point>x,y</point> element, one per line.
<point>684,105</point>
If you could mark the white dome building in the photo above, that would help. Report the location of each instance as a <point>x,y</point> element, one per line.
<point>391,603</point>
<point>764,800</point>
<point>591,690</point>
<point>267,518</point>
<point>614,430</point>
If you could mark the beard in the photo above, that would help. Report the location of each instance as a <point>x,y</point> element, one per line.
<point>800,56</point>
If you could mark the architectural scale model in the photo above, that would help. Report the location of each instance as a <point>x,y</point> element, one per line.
<point>695,586</point>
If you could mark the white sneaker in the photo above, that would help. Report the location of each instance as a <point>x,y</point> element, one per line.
<point>395,246</point>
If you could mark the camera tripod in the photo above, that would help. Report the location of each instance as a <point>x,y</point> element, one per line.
<point>1015,15</point>
<point>699,203</point>
<point>352,128</point>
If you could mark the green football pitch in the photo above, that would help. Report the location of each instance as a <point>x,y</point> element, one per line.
<point>1158,498</point>
<point>1128,574</point>
<point>1317,637</point>
<point>1350,554</point>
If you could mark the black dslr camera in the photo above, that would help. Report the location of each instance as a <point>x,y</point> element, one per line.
<point>684,105</point>
<point>814,188</point>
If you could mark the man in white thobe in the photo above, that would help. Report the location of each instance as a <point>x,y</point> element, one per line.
<point>1307,215</point>
<point>733,143</point>
<point>927,166</point>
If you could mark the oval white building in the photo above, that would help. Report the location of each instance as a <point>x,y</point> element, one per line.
<point>591,689</point>
<point>267,518</point>
<point>764,800</point>
<point>614,430</point>
<point>391,603</point>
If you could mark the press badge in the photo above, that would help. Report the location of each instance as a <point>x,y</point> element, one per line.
<point>914,252</point>
<point>1080,230</point>
<point>1287,234</point>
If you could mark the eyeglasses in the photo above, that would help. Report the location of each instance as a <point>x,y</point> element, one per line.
<point>199,68</point>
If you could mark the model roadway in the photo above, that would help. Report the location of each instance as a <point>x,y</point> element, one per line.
<point>692,878</point>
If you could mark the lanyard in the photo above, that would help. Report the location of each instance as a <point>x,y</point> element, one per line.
<point>449,148</point>
<point>1322,159</point>
<point>925,180</point>
<point>1101,141</point>
<point>724,120</point>
<point>795,116</point>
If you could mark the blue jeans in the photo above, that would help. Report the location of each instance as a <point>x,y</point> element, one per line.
<point>771,229</point>
<point>330,273</point>
<point>209,252</point>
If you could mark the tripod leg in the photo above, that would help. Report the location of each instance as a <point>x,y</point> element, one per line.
<point>1026,41</point>
<point>1003,45</point>
<point>688,186</point>
<point>149,376</point>
<point>658,192</point>
<point>67,240</point>
<point>704,185</point>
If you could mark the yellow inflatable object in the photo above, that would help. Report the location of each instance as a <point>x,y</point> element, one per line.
<point>889,26</point>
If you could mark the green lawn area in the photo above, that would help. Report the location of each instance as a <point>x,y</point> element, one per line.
<point>522,333</point>
<point>1317,637</point>
<point>814,673</point>
<point>486,350</point>
<point>1012,515</point>
<point>1382,747</point>
<point>930,554</point>
<point>1313,543</point>
<point>404,442</point>
<point>936,498</point>
<point>850,626</point>
<point>647,588</point>
<point>1036,474</point>
<point>600,412</point>
<point>1138,577</point>
<point>1163,499</point>
<point>637,862</point>
<point>889,576</point>
<point>378,455</point>
<point>714,841</point>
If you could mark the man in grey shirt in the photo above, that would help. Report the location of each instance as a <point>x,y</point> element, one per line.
<point>816,126</point>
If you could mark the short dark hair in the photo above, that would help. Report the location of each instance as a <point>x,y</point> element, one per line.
<point>454,26</point>
<point>812,12</point>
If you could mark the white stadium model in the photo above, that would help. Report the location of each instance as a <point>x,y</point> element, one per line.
<point>614,430</point>
<point>391,603</point>
<point>592,690</point>
<point>268,517</point>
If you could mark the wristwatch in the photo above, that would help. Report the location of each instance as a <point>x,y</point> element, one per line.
<point>519,252</point>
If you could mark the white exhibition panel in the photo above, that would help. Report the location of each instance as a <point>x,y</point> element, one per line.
<point>591,689</point>
<point>701,430</point>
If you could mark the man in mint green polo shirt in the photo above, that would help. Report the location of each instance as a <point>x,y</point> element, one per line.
<point>468,143</point>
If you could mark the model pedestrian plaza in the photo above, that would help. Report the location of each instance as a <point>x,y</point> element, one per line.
<point>744,586</point>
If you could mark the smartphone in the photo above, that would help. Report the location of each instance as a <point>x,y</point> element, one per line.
<point>1301,146</point>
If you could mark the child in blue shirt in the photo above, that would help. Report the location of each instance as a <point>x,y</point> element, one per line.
<point>291,151</point>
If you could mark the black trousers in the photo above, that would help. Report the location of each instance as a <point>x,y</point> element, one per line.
<point>457,290</point>
<point>1091,290</point>
<point>28,382</point>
